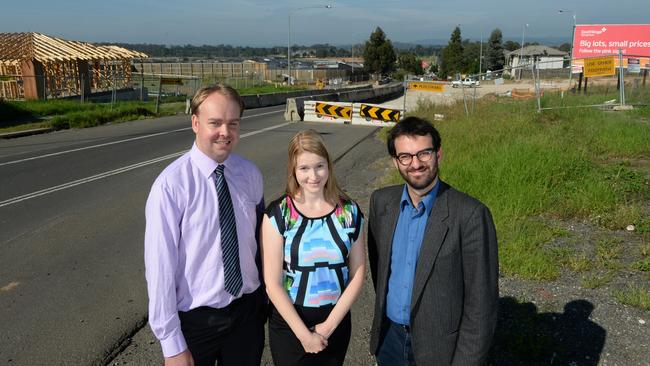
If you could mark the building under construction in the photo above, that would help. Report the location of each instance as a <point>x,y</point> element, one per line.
<point>37,66</point>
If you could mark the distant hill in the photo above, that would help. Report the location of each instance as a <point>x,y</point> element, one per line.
<point>229,51</point>
<point>541,40</point>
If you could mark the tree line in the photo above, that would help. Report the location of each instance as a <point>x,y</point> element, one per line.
<point>457,57</point>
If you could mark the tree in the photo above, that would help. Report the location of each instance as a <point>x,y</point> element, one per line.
<point>471,54</point>
<point>565,47</point>
<point>409,62</point>
<point>495,58</point>
<point>511,45</point>
<point>378,53</point>
<point>451,60</point>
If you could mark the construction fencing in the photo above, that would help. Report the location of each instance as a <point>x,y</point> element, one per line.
<point>619,84</point>
<point>172,79</point>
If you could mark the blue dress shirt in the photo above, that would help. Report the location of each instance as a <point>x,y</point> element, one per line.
<point>407,241</point>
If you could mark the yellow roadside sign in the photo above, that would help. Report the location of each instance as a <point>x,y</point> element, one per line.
<point>333,110</point>
<point>426,86</point>
<point>602,66</point>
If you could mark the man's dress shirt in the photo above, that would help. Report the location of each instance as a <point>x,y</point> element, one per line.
<point>407,242</point>
<point>182,245</point>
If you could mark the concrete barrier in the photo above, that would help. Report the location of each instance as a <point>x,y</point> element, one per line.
<point>379,94</point>
<point>291,111</point>
<point>251,101</point>
<point>267,100</point>
<point>271,99</point>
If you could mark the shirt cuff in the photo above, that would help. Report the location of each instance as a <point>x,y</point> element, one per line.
<point>173,345</point>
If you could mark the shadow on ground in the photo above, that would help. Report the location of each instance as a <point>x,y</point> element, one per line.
<point>11,115</point>
<point>526,337</point>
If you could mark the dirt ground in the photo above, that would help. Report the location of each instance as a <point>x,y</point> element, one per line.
<point>451,95</point>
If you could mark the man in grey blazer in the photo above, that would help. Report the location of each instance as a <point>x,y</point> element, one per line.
<point>433,259</point>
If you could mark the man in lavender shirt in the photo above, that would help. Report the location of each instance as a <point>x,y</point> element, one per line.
<point>192,310</point>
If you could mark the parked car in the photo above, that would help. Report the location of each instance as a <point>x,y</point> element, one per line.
<point>467,82</point>
<point>383,81</point>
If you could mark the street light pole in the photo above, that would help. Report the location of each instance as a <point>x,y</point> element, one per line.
<point>328,6</point>
<point>563,11</point>
<point>480,57</point>
<point>289,51</point>
<point>521,50</point>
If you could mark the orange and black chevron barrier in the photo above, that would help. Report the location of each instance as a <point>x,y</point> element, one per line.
<point>383,114</point>
<point>333,110</point>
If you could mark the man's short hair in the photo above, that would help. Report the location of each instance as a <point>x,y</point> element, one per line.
<point>225,90</point>
<point>412,126</point>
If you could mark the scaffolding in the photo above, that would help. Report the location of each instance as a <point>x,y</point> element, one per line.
<point>38,66</point>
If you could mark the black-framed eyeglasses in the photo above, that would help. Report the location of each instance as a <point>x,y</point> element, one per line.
<point>422,155</point>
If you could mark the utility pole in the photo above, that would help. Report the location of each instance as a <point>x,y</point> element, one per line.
<point>480,57</point>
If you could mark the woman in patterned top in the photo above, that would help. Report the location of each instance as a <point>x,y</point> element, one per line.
<point>314,259</point>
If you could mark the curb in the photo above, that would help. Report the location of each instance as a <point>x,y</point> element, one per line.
<point>35,131</point>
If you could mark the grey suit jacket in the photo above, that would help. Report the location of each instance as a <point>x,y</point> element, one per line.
<point>455,290</point>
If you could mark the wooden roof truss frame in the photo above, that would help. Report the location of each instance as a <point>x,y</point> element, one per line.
<point>108,66</point>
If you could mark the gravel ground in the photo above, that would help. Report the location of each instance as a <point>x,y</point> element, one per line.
<point>451,95</point>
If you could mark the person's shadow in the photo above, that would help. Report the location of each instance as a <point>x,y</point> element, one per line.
<point>526,337</point>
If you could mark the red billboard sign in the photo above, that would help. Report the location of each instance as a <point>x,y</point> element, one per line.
<point>596,40</point>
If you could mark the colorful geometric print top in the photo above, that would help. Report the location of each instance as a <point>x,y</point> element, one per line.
<point>316,250</point>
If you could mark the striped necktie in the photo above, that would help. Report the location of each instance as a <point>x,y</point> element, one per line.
<point>229,245</point>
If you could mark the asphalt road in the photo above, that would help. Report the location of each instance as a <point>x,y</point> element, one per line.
<point>72,283</point>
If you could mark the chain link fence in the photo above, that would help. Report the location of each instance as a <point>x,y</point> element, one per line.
<point>559,84</point>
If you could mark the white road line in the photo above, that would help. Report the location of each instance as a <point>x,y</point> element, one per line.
<point>113,172</point>
<point>116,142</point>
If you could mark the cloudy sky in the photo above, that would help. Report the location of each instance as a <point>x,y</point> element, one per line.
<point>265,22</point>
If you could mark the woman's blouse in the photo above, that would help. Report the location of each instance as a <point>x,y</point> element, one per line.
<point>316,250</point>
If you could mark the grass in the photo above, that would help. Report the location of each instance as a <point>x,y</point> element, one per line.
<point>599,94</point>
<point>99,116</point>
<point>642,265</point>
<point>594,281</point>
<point>16,116</point>
<point>566,164</point>
<point>264,89</point>
<point>643,225</point>
<point>20,116</point>
<point>636,296</point>
<point>644,250</point>
<point>607,251</point>
<point>579,263</point>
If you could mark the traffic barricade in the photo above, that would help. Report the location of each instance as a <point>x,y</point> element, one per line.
<point>375,115</point>
<point>331,112</point>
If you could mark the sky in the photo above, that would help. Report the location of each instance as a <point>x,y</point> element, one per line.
<point>266,22</point>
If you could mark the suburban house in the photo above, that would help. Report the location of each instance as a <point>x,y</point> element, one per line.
<point>547,57</point>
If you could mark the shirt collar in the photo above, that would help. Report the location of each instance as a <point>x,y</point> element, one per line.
<point>204,163</point>
<point>428,199</point>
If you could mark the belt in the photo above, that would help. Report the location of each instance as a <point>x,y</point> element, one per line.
<point>234,305</point>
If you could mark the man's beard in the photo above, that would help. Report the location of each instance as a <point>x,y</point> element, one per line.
<point>424,181</point>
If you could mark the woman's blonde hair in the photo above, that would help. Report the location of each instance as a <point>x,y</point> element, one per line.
<point>311,141</point>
